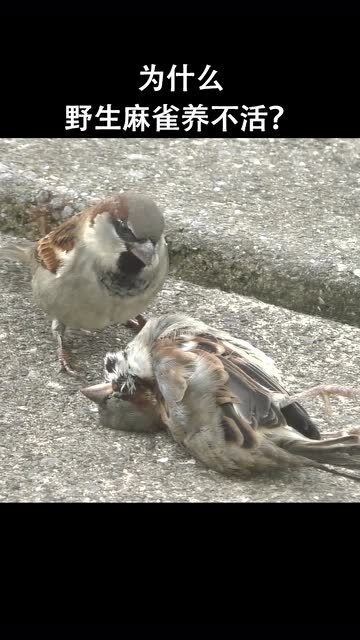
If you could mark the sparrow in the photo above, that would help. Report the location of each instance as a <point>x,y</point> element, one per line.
<point>220,397</point>
<point>100,267</point>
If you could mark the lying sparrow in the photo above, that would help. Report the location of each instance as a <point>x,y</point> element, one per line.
<point>100,267</point>
<point>218,396</point>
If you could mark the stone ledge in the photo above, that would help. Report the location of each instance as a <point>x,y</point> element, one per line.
<point>273,219</point>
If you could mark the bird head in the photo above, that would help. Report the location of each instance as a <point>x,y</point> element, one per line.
<point>128,225</point>
<point>127,399</point>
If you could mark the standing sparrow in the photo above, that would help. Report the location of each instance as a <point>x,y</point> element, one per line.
<point>220,397</point>
<point>100,267</point>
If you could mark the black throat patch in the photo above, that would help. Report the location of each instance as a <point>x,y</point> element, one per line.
<point>128,279</point>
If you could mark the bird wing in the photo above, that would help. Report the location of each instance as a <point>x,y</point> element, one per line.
<point>212,405</point>
<point>221,407</point>
<point>255,362</point>
<point>50,249</point>
<point>242,388</point>
<point>260,371</point>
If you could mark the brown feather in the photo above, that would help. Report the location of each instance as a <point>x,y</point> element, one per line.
<point>221,363</point>
<point>45,254</point>
<point>62,238</point>
<point>235,427</point>
<point>116,206</point>
<point>211,344</point>
<point>166,349</point>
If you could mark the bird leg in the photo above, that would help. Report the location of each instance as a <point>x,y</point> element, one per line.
<point>138,323</point>
<point>58,331</point>
<point>334,434</point>
<point>323,390</point>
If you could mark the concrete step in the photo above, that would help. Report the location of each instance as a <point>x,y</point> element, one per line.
<point>52,448</point>
<point>277,219</point>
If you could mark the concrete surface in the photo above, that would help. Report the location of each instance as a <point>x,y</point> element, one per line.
<point>53,449</point>
<point>277,219</point>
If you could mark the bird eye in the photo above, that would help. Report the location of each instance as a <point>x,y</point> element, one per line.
<point>123,231</point>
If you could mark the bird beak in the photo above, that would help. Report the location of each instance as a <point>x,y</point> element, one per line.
<point>144,251</point>
<point>98,392</point>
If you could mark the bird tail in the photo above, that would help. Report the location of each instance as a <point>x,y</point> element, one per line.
<point>21,252</point>
<point>343,451</point>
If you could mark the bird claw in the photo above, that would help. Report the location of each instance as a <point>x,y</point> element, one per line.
<point>137,324</point>
<point>323,390</point>
<point>65,365</point>
<point>334,434</point>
